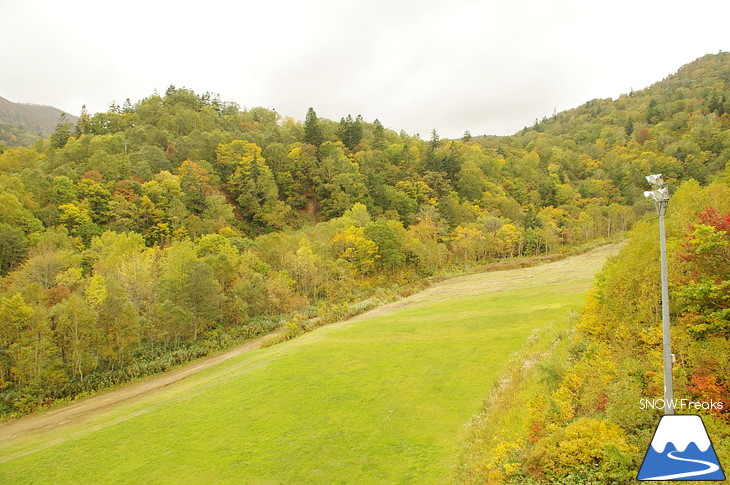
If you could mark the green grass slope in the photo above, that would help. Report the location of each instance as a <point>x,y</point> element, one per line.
<point>379,399</point>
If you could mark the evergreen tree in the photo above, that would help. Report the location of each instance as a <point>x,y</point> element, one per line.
<point>629,128</point>
<point>312,131</point>
<point>342,130</point>
<point>435,141</point>
<point>351,132</point>
<point>378,135</point>
<point>63,131</point>
<point>83,126</point>
<point>356,131</point>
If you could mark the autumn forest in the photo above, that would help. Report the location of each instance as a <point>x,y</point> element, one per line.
<point>163,230</point>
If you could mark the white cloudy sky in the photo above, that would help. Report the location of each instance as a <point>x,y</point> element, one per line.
<point>489,66</point>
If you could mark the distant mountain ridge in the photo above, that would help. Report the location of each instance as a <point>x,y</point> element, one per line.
<point>37,119</point>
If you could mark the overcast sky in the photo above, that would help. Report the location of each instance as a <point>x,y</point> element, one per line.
<point>490,66</point>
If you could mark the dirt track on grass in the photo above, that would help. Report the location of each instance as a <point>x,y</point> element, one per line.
<point>465,285</point>
<point>76,411</point>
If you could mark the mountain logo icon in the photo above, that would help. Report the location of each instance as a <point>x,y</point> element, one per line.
<point>681,450</point>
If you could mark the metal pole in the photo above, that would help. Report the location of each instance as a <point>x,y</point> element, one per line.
<point>668,386</point>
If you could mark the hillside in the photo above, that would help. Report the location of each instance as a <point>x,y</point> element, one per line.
<point>678,125</point>
<point>16,136</point>
<point>163,230</point>
<point>37,119</point>
<point>582,415</point>
<point>382,398</point>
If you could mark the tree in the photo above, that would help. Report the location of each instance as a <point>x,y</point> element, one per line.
<point>96,197</point>
<point>78,335</point>
<point>312,131</point>
<point>357,249</point>
<point>378,135</point>
<point>281,297</point>
<point>228,156</point>
<point>435,141</point>
<point>120,323</point>
<point>305,166</point>
<point>195,183</point>
<point>424,241</point>
<point>13,247</point>
<point>359,214</point>
<point>398,201</point>
<point>77,218</point>
<point>189,293</point>
<point>63,131</point>
<point>468,242</point>
<point>351,132</point>
<point>12,212</point>
<point>219,253</point>
<point>388,237</point>
<point>256,192</point>
<point>340,182</point>
<point>15,315</point>
<point>471,181</point>
<point>509,237</point>
<point>83,126</point>
<point>307,268</point>
<point>342,192</point>
<point>704,296</point>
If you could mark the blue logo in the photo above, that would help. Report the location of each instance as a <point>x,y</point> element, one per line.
<point>681,450</point>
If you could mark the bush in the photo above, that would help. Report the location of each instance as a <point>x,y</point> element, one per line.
<point>587,447</point>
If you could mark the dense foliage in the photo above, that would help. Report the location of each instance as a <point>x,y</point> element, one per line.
<point>589,418</point>
<point>13,135</point>
<point>157,231</point>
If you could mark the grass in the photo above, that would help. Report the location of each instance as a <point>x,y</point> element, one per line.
<point>496,436</point>
<point>379,399</point>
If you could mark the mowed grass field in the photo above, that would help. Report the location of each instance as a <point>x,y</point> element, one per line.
<point>382,398</point>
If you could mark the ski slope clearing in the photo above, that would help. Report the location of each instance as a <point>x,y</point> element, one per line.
<point>379,398</point>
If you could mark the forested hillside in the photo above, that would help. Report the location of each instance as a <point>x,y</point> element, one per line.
<point>22,124</point>
<point>158,231</point>
<point>13,135</point>
<point>587,420</point>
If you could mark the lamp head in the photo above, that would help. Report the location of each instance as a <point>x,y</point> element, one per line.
<point>658,195</point>
<point>655,179</point>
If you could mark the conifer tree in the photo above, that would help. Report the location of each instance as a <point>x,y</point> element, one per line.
<point>378,135</point>
<point>312,132</point>
<point>351,131</point>
<point>63,131</point>
<point>83,125</point>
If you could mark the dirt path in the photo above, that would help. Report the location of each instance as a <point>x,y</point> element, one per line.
<point>464,285</point>
<point>77,411</point>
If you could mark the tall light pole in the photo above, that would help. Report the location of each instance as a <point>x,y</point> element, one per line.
<point>660,196</point>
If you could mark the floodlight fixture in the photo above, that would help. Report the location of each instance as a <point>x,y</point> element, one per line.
<point>655,180</point>
<point>660,196</point>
